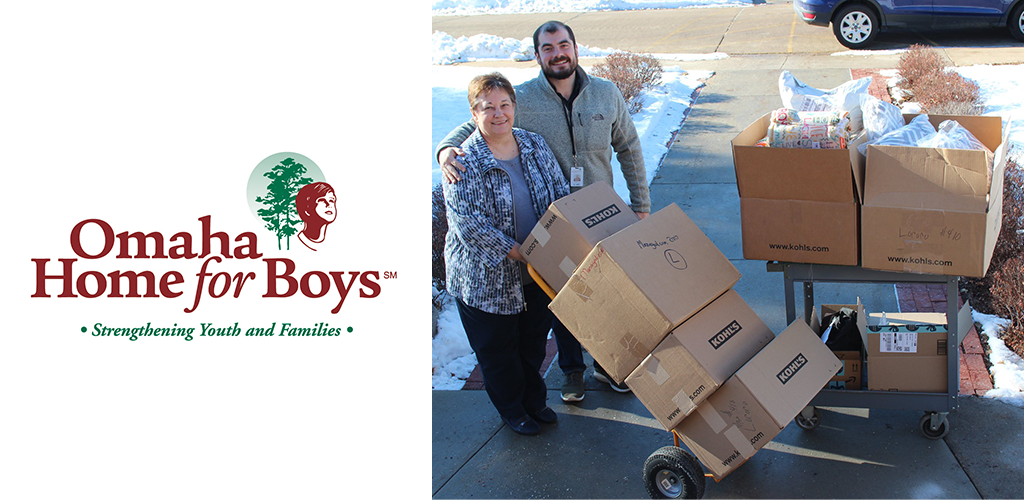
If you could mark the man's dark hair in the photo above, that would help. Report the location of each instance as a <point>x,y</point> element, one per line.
<point>551,27</point>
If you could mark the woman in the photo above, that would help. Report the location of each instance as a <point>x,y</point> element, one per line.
<point>511,178</point>
<point>316,206</point>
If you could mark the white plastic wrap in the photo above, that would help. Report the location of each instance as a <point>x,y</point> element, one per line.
<point>880,117</point>
<point>846,97</point>
<point>952,135</point>
<point>917,133</point>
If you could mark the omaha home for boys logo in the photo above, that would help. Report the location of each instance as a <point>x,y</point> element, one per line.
<point>292,200</point>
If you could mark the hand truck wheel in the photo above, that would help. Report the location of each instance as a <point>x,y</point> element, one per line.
<point>671,472</point>
<point>934,425</point>
<point>809,419</point>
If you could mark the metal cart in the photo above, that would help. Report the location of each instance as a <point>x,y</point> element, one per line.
<point>672,472</point>
<point>936,406</point>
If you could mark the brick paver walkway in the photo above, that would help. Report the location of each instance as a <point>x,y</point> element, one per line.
<point>974,376</point>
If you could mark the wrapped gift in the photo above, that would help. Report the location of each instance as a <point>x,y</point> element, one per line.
<point>809,129</point>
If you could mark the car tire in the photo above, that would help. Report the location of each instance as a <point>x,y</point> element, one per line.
<point>1016,22</point>
<point>855,26</point>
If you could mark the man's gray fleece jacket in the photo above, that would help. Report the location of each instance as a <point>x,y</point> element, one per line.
<point>601,123</point>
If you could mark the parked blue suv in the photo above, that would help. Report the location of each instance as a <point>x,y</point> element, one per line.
<point>856,22</point>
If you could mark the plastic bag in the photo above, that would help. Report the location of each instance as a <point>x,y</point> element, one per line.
<point>917,133</point>
<point>952,135</point>
<point>880,117</point>
<point>842,333</point>
<point>809,129</point>
<point>846,97</point>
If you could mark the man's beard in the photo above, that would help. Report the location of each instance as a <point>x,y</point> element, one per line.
<point>559,75</point>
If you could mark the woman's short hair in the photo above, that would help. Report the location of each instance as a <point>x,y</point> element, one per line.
<point>305,199</point>
<point>482,84</point>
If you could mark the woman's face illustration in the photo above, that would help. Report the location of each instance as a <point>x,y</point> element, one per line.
<point>326,208</point>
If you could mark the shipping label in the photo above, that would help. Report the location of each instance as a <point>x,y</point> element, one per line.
<point>897,342</point>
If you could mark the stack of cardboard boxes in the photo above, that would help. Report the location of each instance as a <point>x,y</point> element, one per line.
<point>922,210</point>
<point>907,352</point>
<point>904,209</point>
<point>653,304</point>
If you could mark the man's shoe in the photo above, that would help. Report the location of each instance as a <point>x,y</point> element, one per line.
<point>525,425</point>
<point>545,415</point>
<point>602,376</point>
<point>572,390</point>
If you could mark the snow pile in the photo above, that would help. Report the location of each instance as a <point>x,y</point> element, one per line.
<point>453,359</point>
<point>1007,367</point>
<point>451,50</point>
<point>1001,88</point>
<point>467,7</point>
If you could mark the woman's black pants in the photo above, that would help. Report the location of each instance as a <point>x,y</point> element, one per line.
<point>510,350</point>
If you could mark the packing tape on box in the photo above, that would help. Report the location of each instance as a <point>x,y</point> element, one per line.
<point>567,266</point>
<point>657,372</point>
<point>579,285</point>
<point>684,403</point>
<point>711,416</point>
<point>634,346</point>
<point>739,441</point>
<point>542,235</point>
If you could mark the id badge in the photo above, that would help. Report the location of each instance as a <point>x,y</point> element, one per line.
<point>576,177</point>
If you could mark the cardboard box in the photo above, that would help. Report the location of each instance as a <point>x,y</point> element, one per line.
<point>798,205</point>
<point>638,284</point>
<point>932,210</point>
<point>909,354</point>
<point>571,227</point>
<point>756,403</point>
<point>851,375</point>
<point>698,357</point>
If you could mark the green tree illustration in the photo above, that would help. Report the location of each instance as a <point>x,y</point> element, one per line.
<point>281,216</point>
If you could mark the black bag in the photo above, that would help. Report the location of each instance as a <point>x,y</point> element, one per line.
<point>843,334</point>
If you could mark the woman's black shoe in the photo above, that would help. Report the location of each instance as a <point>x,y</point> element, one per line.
<point>545,415</point>
<point>525,425</point>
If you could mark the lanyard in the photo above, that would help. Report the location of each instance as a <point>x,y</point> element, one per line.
<point>567,111</point>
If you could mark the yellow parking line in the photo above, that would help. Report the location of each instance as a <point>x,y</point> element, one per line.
<point>792,29</point>
<point>670,35</point>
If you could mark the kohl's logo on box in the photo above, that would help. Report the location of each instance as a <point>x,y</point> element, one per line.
<point>790,370</point>
<point>723,336</point>
<point>601,216</point>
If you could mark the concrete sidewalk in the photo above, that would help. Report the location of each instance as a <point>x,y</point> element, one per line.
<point>599,446</point>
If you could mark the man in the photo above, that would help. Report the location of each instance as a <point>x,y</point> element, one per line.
<point>583,119</point>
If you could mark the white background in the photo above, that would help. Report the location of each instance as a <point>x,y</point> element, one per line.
<point>149,117</point>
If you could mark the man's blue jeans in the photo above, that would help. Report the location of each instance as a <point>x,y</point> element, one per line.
<point>570,352</point>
